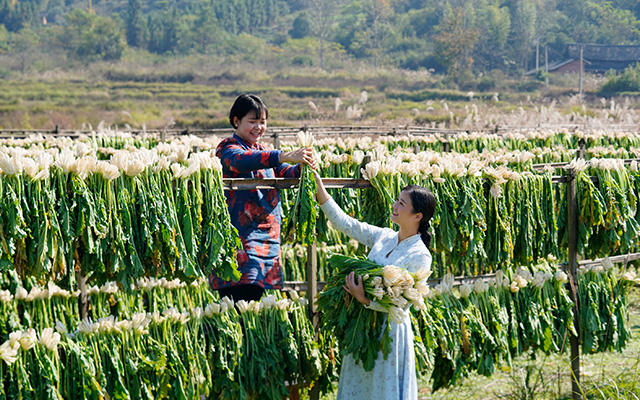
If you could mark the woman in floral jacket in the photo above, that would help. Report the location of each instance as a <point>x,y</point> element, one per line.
<point>255,213</point>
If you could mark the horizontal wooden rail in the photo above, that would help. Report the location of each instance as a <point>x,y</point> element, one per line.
<point>286,131</point>
<point>564,164</point>
<point>288,183</point>
<point>457,281</point>
<point>614,259</point>
<point>460,280</point>
<point>329,183</point>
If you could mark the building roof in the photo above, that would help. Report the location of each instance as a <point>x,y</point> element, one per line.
<point>603,52</point>
<point>557,65</point>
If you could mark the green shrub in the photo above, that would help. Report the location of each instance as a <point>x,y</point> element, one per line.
<point>302,60</point>
<point>135,76</point>
<point>486,83</point>
<point>628,81</point>
<point>528,86</point>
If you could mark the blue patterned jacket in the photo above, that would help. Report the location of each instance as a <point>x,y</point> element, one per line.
<point>256,213</point>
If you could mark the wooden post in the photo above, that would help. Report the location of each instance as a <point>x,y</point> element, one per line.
<point>83,301</point>
<point>312,292</point>
<point>312,282</point>
<point>276,140</point>
<point>572,234</point>
<point>582,151</point>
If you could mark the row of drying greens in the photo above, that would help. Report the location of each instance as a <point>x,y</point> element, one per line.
<point>159,212</point>
<point>144,214</point>
<point>489,214</point>
<point>482,326</point>
<point>153,349</point>
<point>548,145</point>
<point>489,324</point>
<point>536,139</point>
<point>168,339</point>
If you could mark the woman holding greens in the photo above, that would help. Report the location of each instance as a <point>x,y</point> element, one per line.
<point>255,213</point>
<point>395,377</point>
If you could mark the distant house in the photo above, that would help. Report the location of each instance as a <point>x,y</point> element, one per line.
<point>597,59</point>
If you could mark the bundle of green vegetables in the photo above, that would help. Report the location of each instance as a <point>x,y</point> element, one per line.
<point>361,332</point>
<point>300,226</point>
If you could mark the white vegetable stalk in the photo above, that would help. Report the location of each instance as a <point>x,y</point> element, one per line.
<point>465,290</point>
<point>8,353</point>
<point>49,339</point>
<point>305,138</point>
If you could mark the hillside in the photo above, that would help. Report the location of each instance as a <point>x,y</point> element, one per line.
<point>462,39</point>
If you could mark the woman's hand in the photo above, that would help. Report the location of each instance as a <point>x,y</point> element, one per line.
<point>321,192</point>
<point>356,289</point>
<point>304,155</point>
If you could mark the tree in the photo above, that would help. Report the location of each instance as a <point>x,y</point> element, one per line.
<point>493,23</point>
<point>202,32</point>
<point>135,26</point>
<point>523,23</point>
<point>24,44</point>
<point>323,14</point>
<point>378,14</point>
<point>301,26</point>
<point>16,15</point>
<point>92,37</point>
<point>4,39</point>
<point>455,40</point>
<point>612,25</point>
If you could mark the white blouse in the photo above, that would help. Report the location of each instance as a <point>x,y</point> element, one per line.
<point>411,254</point>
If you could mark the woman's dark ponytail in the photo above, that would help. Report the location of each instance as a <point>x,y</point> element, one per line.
<point>424,233</point>
<point>423,201</point>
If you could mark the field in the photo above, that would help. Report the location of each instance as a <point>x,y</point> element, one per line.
<point>197,94</point>
<point>145,275</point>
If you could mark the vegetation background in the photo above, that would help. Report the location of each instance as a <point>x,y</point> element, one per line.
<point>442,63</point>
<point>158,63</point>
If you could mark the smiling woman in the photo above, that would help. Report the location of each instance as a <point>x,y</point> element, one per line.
<point>256,214</point>
<point>392,376</point>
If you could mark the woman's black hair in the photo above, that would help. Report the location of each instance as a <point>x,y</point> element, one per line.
<point>422,201</point>
<point>245,104</point>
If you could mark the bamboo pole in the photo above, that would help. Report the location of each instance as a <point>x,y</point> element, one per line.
<point>312,292</point>
<point>572,226</point>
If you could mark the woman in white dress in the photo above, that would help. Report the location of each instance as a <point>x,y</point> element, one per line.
<point>395,377</point>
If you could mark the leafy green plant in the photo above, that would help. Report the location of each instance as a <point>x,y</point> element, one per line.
<point>628,81</point>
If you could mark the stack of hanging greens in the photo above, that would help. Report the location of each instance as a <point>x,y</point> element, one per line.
<point>607,209</point>
<point>300,225</point>
<point>484,217</point>
<point>485,323</point>
<point>493,207</point>
<point>142,213</point>
<point>328,239</point>
<point>154,348</point>
<point>604,313</point>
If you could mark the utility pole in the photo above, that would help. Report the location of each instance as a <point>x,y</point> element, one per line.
<point>537,53</point>
<point>581,68</point>
<point>546,67</point>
